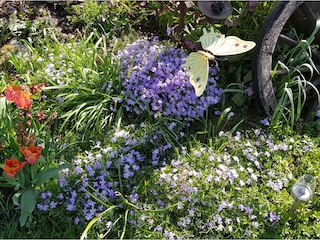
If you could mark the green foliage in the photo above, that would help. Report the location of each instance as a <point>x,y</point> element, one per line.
<point>203,165</point>
<point>245,22</point>
<point>87,87</point>
<point>109,18</point>
<point>292,87</point>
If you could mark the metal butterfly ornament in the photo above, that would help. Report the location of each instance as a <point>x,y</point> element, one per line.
<point>213,44</point>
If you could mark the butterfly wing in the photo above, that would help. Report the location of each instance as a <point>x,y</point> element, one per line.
<point>218,44</point>
<point>211,41</point>
<point>198,66</point>
<point>231,45</point>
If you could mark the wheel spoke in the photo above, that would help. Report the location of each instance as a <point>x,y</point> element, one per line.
<point>291,42</point>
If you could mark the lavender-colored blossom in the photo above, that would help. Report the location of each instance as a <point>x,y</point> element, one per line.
<point>273,217</point>
<point>248,233</point>
<point>76,220</point>
<point>63,181</point>
<point>154,79</point>
<point>53,204</point>
<point>42,207</point>
<point>265,122</point>
<point>158,228</point>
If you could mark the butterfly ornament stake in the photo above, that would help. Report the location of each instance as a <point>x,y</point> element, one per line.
<point>213,44</point>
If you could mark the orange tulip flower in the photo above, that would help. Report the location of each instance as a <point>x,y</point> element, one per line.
<point>12,167</point>
<point>23,100</point>
<point>31,153</point>
<point>16,94</point>
<point>11,92</point>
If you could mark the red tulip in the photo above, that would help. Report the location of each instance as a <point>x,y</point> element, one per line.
<point>12,167</point>
<point>11,92</point>
<point>16,94</point>
<point>23,100</point>
<point>31,153</point>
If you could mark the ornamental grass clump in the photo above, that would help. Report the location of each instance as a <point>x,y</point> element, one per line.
<point>155,82</point>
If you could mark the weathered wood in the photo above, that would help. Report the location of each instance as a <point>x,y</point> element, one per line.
<point>262,63</point>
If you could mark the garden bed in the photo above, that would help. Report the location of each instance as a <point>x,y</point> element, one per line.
<point>102,135</point>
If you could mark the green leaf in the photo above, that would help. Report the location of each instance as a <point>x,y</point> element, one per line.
<point>239,99</point>
<point>247,77</point>
<point>10,181</point>
<point>45,175</point>
<point>28,203</point>
<point>15,198</point>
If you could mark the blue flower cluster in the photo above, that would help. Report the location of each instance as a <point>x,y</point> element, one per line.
<point>154,81</point>
<point>124,155</point>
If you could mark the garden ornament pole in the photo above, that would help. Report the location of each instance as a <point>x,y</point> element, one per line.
<point>216,9</point>
<point>303,190</point>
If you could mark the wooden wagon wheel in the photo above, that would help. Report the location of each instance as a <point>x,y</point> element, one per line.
<point>300,15</point>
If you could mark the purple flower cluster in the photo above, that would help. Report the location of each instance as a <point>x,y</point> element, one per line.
<point>155,82</point>
<point>125,154</point>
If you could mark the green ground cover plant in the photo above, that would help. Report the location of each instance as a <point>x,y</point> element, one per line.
<point>128,150</point>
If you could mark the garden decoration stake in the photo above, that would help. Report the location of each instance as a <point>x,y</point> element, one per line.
<point>197,63</point>
<point>303,190</point>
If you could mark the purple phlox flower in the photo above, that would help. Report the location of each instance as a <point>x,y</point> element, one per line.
<point>169,235</point>
<point>42,207</point>
<point>62,181</point>
<point>71,207</point>
<point>127,172</point>
<point>53,204</point>
<point>265,122</point>
<point>108,164</point>
<point>222,206</point>
<point>191,212</point>
<point>134,198</point>
<point>217,219</point>
<point>46,195</point>
<point>184,222</point>
<point>158,82</point>
<point>90,170</point>
<point>249,91</point>
<point>76,220</point>
<point>274,218</point>
<point>158,228</point>
<point>60,196</point>
<point>248,210</point>
<point>190,44</point>
<point>277,186</point>
<point>180,205</point>
<point>169,30</point>
<point>78,170</point>
<point>161,204</point>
